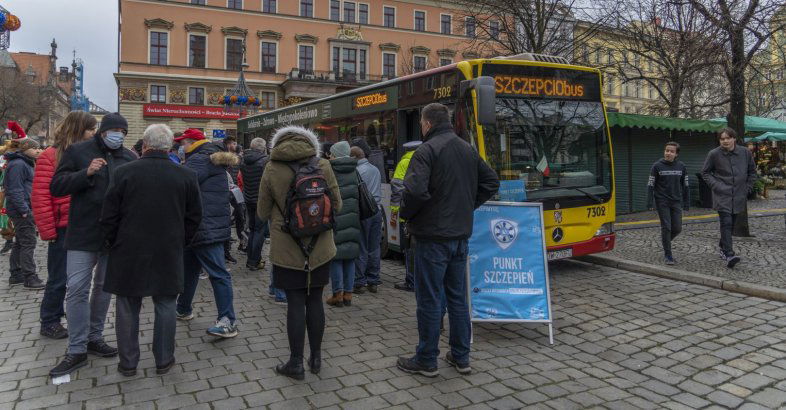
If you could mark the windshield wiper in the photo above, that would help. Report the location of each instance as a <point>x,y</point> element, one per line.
<point>590,195</point>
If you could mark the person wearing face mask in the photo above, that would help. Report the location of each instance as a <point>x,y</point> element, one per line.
<point>18,187</point>
<point>85,171</point>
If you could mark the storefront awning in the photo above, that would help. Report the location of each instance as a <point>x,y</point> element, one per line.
<point>662,123</point>
<point>768,136</point>
<point>760,124</point>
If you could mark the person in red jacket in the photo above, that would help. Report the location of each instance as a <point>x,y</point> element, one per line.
<point>51,218</point>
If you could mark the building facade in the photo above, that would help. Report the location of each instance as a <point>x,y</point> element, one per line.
<point>178,58</point>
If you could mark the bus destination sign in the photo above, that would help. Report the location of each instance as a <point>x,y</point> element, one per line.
<point>370,100</point>
<point>525,81</point>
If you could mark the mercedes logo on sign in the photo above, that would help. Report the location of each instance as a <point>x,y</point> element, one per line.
<point>557,234</point>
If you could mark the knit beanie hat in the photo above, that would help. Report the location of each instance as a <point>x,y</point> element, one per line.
<point>113,120</point>
<point>14,126</point>
<point>340,149</point>
<point>23,144</point>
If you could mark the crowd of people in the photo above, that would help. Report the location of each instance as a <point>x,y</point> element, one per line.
<point>149,222</point>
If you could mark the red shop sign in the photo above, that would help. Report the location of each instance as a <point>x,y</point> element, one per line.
<point>188,111</point>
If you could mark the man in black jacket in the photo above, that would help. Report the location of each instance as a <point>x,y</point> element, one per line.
<point>668,186</point>
<point>146,241</point>
<point>252,166</point>
<point>86,170</point>
<point>445,182</point>
<point>730,172</point>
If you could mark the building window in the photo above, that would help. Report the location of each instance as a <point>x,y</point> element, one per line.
<point>234,54</point>
<point>389,16</point>
<point>598,53</point>
<point>267,100</point>
<point>494,30</point>
<point>362,64</point>
<point>335,10</point>
<point>419,64</point>
<point>445,61</point>
<point>388,65</point>
<point>268,57</point>
<point>445,24</point>
<point>469,26</point>
<point>363,13</point>
<point>420,20</point>
<point>199,2</point>
<point>158,47</point>
<point>610,85</point>
<point>307,8</point>
<point>349,63</point>
<point>196,96</point>
<point>336,60</point>
<point>268,6</point>
<point>158,93</point>
<point>235,4</point>
<point>349,11</point>
<point>306,58</point>
<point>196,51</point>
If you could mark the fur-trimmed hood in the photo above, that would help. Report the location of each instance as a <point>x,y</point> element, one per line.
<point>224,159</point>
<point>292,143</point>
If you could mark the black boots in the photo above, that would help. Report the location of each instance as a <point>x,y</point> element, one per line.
<point>292,369</point>
<point>315,362</point>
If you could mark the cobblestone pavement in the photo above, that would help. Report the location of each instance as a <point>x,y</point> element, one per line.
<point>623,340</point>
<point>696,250</point>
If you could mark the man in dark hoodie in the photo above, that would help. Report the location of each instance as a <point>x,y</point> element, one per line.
<point>85,171</point>
<point>206,250</point>
<point>668,186</point>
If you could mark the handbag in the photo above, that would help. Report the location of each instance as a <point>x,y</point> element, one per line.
<point>368,206</point>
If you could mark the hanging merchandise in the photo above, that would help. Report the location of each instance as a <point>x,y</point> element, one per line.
<point>3,19</point>
<point>12,23</point>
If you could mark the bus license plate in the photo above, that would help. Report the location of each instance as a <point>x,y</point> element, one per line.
<point>560,254</point>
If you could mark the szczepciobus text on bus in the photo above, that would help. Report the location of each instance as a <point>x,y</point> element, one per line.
<point>536,120</point>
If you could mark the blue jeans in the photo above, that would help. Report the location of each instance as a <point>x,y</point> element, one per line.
<point>278,293</point>
<point>211,258</point>
<point>85,310</point>
<point>52,309</point>
<point>441,266</point>
<point>256,235</point>
<point>342,275</point>
<point>367,264</point>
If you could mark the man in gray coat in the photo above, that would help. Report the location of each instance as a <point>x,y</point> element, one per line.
<point>730,172</point>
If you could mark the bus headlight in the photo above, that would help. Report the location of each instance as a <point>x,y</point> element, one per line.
<point>605,229</point>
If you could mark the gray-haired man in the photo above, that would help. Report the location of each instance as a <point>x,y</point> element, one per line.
<point>146,242</point>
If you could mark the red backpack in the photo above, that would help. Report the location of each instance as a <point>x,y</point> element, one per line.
<point>309,210</point>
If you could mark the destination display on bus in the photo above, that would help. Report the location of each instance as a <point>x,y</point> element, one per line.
<point>543,82</point>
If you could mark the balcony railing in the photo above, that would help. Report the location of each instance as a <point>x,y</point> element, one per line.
<point>338,77</point>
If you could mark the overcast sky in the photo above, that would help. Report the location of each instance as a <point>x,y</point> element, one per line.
<point>87,26</point>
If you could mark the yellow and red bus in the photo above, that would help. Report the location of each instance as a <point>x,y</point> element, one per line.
<point>538,121</point>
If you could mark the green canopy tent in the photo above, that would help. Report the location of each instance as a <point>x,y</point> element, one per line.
<point>768,136</point>
<point>755,125</point>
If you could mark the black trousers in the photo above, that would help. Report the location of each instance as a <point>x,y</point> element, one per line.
<point>127,330</point>
<point>727,220</point>
<point>305,312</point>
<point>670,214</point>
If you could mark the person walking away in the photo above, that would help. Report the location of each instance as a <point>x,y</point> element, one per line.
<point>730,172</point>
<point>347,235</point>
<point>446,181</point>
<point>229,144</point>
<point>18,187</point>
<point>374,155</point>
<point>85,172</point>
<point>668,185</point>
<point>206,250</point>
<point>51,218</point>
<point>7,233</point>
<point>367,265</point>
<point>295,152</point>
<point>396,189</point>
<point>146,242</point>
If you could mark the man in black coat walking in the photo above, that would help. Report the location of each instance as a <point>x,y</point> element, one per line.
<point>151,212</point>
<point>251,167</point>
<point>445,182</point>
<point>85,171</point>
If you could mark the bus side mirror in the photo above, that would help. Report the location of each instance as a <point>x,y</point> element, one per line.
<point>486,98</point>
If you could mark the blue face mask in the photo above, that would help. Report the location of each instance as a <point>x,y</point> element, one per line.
<point>114,139</point>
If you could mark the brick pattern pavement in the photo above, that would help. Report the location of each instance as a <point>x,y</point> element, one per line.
<point>696,250</point>
<point>623,340</point>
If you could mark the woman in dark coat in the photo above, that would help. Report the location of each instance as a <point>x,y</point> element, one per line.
<point>304,291</point>
<point>347,232</point>
<point>151,212</point>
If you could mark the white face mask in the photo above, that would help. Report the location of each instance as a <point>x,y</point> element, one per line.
<point>114,139</point>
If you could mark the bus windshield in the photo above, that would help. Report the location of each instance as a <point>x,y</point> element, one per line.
<point>557,148</point>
